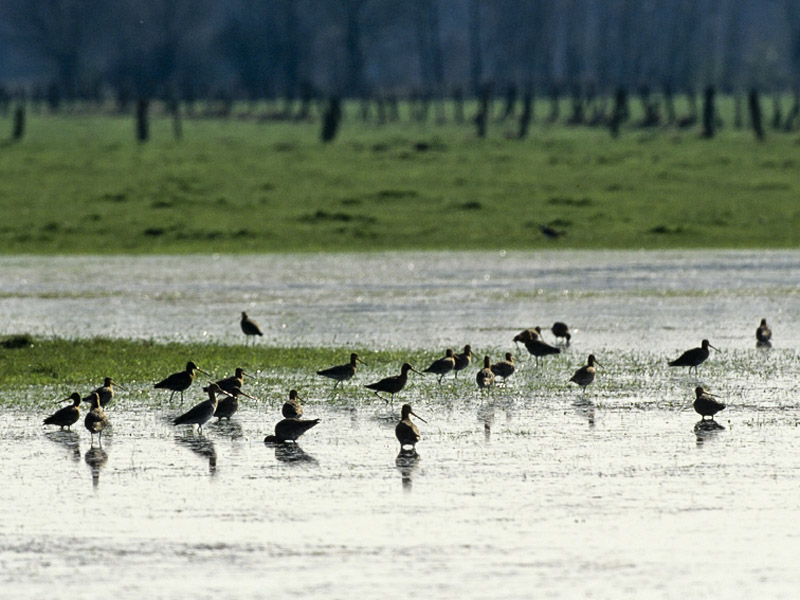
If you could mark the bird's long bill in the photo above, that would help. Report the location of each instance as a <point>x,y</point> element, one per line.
<point>420,418</point>
<point>361,361</point>
<point>118,385</point>
<point>248,374</point>
<point>206,372</point>
<point>596,362</point>
<point>65,399</point>
<point>241,393</point>
<point>415,371</point>
<point>715,348</point>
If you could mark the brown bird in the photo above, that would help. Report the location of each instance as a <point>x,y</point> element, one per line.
<point>292,409</point>
<point>763,335</point>
<point>485,377</point>
<point>201,413</point>
<point>504,368</point>
<point>561,331</point>
<point>344,372</point>
<point>585,375</point>
<point>406,431</point>
<point>704,403</point>
<point>178,382</point>
<point>528,335</point>
<point>227,406</point>
<point>288,430</point>
<point>442,366</point>
<point>392,385</point>
<point>462,359</point>
<point>106,391</point>
<point>694,357</point>
<point>234,381</point>
<point>68,415</point>
<point>96,419</point>
<point>539,348</point>
<point>250,327</point>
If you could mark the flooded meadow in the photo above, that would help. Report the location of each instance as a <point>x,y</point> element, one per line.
<point>533,489</point>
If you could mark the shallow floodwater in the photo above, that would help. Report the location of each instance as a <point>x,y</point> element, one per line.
<point>534,490</point>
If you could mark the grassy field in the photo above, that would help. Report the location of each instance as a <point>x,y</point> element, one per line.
<point>80,184</point>
<point>29,361</point>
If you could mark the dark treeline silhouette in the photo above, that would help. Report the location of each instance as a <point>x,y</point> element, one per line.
<point>599,53</point>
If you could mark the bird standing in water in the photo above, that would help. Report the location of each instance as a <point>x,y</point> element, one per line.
<point>68,415</point>
<point>340,373</point>
<point>561,331</point>
<point>201,413</point>
<point>694,357</point>
<point>442,366</point>
<point>392,385</point>
<point>585,375</point>
<point>705,404</point>
<point>763,335</point>
<point>96,419</point>
<point>462,359</point>
<point>485,377</point>
<point>180,381</point>
<point>504,368</point>
<point>250,328</point>
<point>406,431</point>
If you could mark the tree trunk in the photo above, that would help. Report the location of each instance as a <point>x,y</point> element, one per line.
<point>142,125</point>
<point>19,123</point>
<point>755,114</point>
<point>709,118</point>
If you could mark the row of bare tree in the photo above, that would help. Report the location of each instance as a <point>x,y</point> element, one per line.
<point>354,48</point>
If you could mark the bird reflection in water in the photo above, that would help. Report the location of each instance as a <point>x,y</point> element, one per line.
<point>69,440</point>
<point>406,463</point>
<point>200,445</point>
<point>96,457</point>
<point>228,428</point>
<point>486,416</point>
<point>292,453</point>
<point>585,408</point>
<point>706,429</point>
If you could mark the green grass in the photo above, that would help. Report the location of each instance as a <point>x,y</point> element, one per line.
<point>80,362</point>
<point>80,184</point>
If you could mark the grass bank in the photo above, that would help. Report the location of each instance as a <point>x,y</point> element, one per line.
<point>79,184</point>
<point>29,361</point>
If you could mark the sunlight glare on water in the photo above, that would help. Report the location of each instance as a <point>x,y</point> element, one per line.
<point>534,490</point>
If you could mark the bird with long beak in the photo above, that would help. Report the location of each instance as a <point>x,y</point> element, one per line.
<point>106,391</point>
<point>406,431</point>
<point>705,404</point>
<point>178,382</point>
<point>68,415</point>
<point>693,358</point>
<point>227,406</point>
<point>340,373</point>
<point>585,375</point>
<point>96,419</point>
<point>201,413</point>
<point>392,385</point>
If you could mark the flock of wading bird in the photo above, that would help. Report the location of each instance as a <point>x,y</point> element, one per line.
<point>292,426</point>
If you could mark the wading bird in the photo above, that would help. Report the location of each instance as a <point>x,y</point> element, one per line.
<point>250,328</point>
<point>406,431</point>
<point>585,375</point>
<point>288,430</point>
<point>201,413</point>
<point>705,404</point>
<point>392,385</point>
<point>68,415</point>
<point>234,381</point>
<point>106,391</point>
<point>96,419</point>
<point>561,332</point>
<point>341,373</point>
<point>539,348</point>
<point>485,377</point>
<point>504,368</point>
<point>694,357</point>
<point>462,359</point>
<point>178,382</point>
<point>227,407</point>
<point>442,366</point>
<point>292,409</point>
<point>763,335</point>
